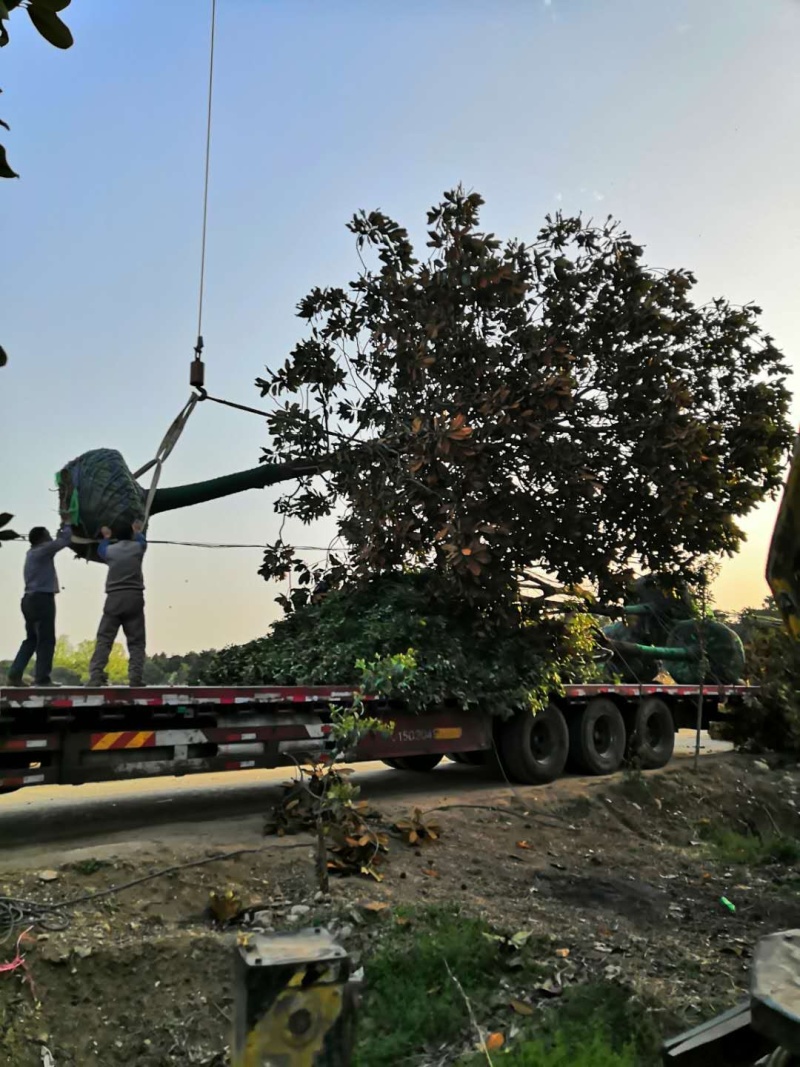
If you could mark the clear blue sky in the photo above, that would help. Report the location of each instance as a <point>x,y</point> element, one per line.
<point>681,119</point>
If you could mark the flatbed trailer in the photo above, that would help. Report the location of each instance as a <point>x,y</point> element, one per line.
<point>70,736</point>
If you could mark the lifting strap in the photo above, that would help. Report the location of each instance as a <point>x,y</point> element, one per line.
<point>171,438</point>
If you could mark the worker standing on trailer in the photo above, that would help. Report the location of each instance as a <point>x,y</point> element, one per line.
<point>124,604</point>
<point>39,603</point>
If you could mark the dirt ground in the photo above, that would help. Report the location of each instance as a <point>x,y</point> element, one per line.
<point>622,878</point>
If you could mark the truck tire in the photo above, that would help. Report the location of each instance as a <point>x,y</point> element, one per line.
<point>393,763</point>
<point>652,741</point>
<point>534,748</point>
<point>597,737</point>
<point>424,762</point>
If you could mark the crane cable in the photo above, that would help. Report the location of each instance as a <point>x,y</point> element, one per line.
<point>197,371</point>
<point>199,344</point>
<point>173,434</point>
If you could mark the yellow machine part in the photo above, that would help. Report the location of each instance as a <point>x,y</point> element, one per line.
<point>292,1033</point>
<point>783,564</point>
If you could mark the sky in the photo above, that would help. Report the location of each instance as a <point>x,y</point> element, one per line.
<point>678,118</point>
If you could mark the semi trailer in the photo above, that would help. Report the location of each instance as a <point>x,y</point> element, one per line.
<point>70,736</point>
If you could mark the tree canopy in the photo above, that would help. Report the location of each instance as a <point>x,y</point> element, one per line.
<point>496,405</point>
<point>44,16</point>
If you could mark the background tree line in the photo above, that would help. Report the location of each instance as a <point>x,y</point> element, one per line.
<point>71,666</point>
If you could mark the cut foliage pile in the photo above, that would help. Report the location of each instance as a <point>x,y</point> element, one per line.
<point>461,654</point>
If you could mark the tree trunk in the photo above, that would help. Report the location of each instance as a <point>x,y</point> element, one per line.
<point>184,496</point>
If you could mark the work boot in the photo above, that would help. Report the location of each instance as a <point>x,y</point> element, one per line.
<point>14,682</point>
<point>96,683</point>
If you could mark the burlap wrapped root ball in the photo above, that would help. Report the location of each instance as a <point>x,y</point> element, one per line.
<point>97,489</point>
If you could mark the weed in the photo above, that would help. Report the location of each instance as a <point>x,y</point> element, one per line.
<point>613,1010</point>
<point>577,808</point>
<point>410,999</point>
<point>412,1002</point>
<point>730,846</point>
<point>634,785</point>
<point>784,850</point>
<point>89,866</point>
<point>597,1025</point>
<point>416,830</point>
<point>562,1052</point>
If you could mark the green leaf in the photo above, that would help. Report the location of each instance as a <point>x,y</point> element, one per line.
<point>520,938</point>
<point>8,535</point>
<point>50,26</point>
<point>3,357</point>
<point>5,169</point>
<point>5,518</point>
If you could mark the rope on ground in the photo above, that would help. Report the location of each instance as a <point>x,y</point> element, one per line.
<point>19,960</point>
<point>16,913</point>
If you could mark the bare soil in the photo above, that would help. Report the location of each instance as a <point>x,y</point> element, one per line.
<point>614,875</point>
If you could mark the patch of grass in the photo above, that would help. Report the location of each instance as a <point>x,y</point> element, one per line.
<point>89,866</point>
<point>588,1052</point>
<point>730,846</point>
<point>634,785</point>
<point>578,808</point>
<point>597,1025</point>
<point>410,1000</point>
<point>613,1011</point>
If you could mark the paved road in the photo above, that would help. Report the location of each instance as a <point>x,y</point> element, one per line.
<point>69,813</point>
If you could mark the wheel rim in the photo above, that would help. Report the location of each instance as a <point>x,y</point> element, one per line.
<point>541,741</point>
<point>601,736</point>
<point>653,733</point>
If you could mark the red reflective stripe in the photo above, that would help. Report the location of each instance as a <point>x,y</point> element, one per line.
<point>19,744</point>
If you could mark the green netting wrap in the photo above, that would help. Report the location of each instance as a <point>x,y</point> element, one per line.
<point>724,653</point>
<point>97,489</point>
<point>627,662</point>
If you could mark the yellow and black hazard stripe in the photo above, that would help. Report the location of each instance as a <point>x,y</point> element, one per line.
<point>125,739</point>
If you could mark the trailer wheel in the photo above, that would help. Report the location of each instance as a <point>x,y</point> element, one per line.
<point>653,739</point>
<point>393,763</point>
<point>6,789</point>
<point>534,748</point>
<point>597,737</point>
<point>423,762</point>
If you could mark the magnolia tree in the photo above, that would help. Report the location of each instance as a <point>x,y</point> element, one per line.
<point>44,16</point>
<point>495,405</point>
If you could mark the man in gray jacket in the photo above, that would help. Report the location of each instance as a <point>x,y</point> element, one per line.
<point>39,604</point>
<point>124,604</point>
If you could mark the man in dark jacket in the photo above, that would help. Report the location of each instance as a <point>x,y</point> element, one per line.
<point>39,604</point>
<point>124,605</point>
